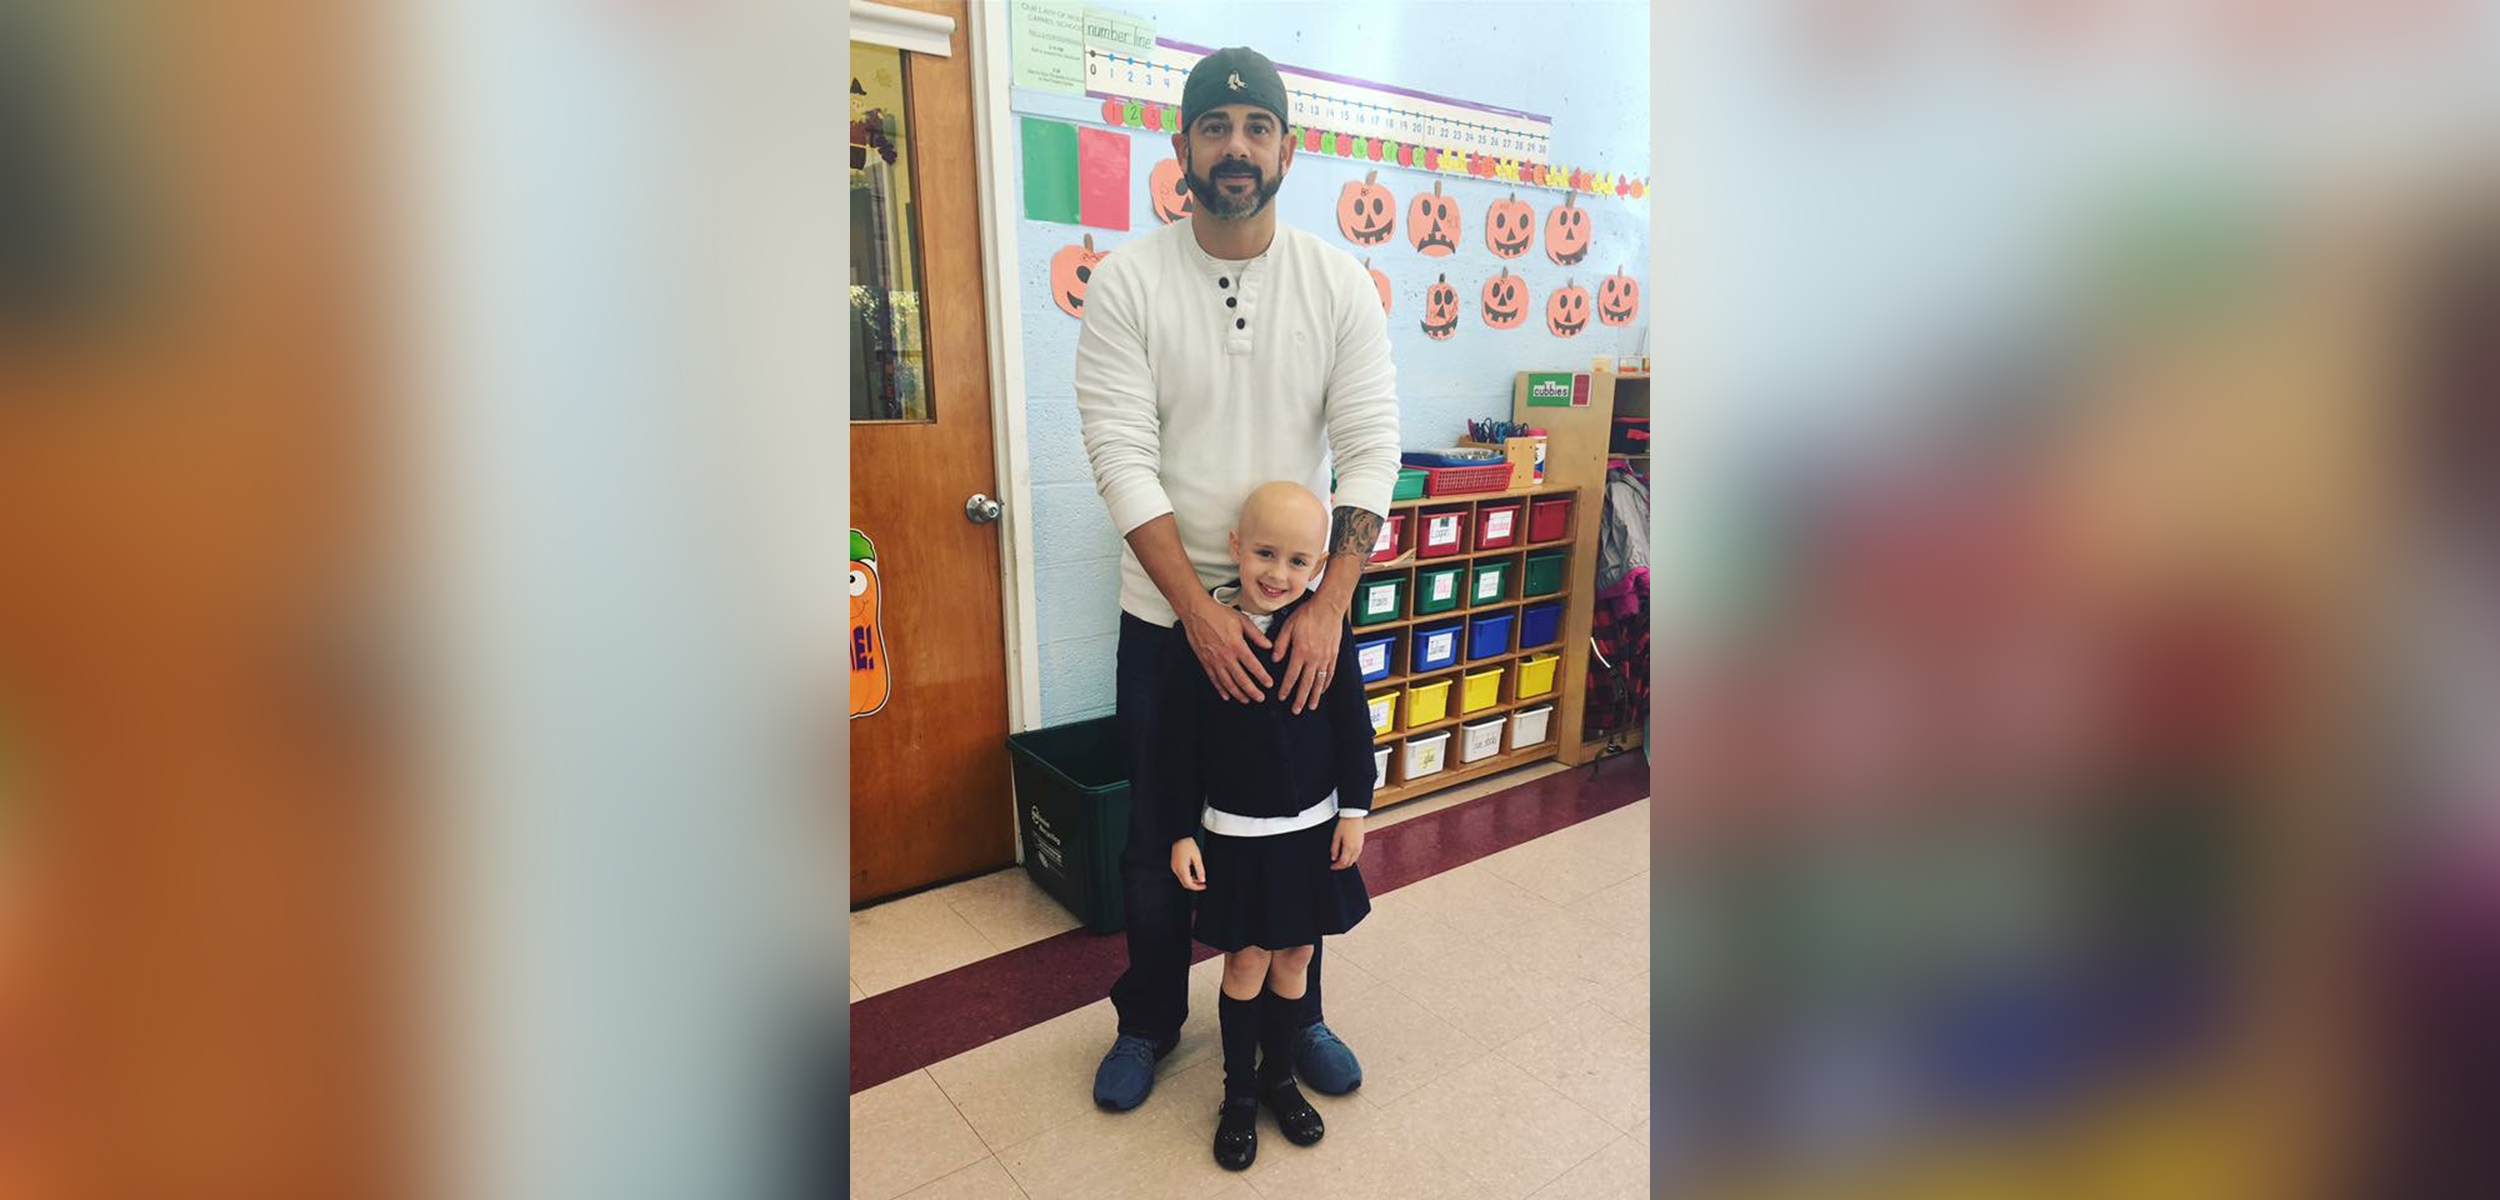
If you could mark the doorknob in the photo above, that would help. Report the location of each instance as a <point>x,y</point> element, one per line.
<point>981,509</point>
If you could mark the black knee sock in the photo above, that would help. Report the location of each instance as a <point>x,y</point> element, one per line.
<point>1282,1028</point>
<point>1240,1022</point>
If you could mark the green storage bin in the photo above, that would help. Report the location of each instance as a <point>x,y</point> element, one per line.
<point>1410,485</point>
<point>1381,598</point>
<point>1439,589</point>
<point>1072,804</point>
<point>1489,582</point>
<point>1544,575</point>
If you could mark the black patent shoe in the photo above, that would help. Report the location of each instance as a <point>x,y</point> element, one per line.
<point>1294,1114</point>
<point>1237,1133</point>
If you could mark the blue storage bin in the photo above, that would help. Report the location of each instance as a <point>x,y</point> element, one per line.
<point>1376,655</point>
<point>1489,634</point>
<point>1437,646</point>
<point>1539,624</point>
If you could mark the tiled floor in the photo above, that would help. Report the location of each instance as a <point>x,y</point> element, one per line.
<point>1499,1008</point>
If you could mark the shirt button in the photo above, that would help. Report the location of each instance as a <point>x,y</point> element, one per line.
<point>1220,281</point>
<point>1241,323</point>
<point>1231,301</point>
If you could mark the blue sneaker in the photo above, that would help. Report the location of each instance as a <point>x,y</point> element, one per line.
<point>1127,1073</point>
<point>1325,1063</point>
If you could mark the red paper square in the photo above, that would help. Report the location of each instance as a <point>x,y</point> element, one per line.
<point>1102,178</point>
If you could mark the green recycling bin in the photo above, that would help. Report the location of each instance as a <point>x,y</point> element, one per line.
<point>1072,805</point>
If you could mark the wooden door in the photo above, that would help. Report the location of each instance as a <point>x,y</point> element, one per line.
<point>929,790</point>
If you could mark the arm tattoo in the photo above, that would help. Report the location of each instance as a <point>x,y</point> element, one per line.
<point>1354,532</point>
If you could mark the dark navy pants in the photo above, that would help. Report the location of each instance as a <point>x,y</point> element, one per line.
<point>1152,996</point>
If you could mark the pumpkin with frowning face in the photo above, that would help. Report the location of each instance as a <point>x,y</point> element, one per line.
<point>1432,222</point>
<point>1381,282</point>
<point>1509,225</point>
<point>1505,300</point>
<point>1618,299</point>
<point>1568,312</point>
<point>1567,233</point>
<point>1167,191</point>
<point>1440,310</point>
<point>1070,270</point>
<point>1366,213</point>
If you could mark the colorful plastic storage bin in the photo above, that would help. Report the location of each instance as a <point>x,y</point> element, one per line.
<point>1483,690</point>
<point>1380,768</point>
<point>1536,674</point>
<point>1443,532</point>
<point>1544,574</point>
<point>1489,582</point>
<point>1549,518</point>
<point>1376,655</point>
<point>1437,588</point>
<point>1384,706</point>
<point>1480,740</point>
<point>1427,702</point>
<point>1438,647</point>
<point>1489,634</point>
<point>1427,755</point>
<point>1497,525</point>
<point>1380,598</point>
<point>1392,541</point>
<point>1540,624</point>
<point>1528,726</point>
<point>1410,485</point>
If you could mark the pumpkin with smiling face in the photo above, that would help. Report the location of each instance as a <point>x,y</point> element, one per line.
<point>1070,270</point>
<point>1567,233</point>
<point>1509,225</point>
<point>1366,213</point>
<point>1167,191</point>
<point>1380,282</point>
<point>1440,310</point>
<point>1432,222</point>
<point>1505,300</point>
<point>1618,299</point>
<point>1568,312</point>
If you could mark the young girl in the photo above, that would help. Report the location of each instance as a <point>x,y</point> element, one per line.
<point>1282,798</point>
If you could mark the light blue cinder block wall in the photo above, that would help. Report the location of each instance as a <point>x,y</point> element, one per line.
<point>1585,65</point>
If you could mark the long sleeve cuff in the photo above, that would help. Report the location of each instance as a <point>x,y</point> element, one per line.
<point>1134,503</point>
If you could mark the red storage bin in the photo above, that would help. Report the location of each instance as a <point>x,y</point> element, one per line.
<point>1497,525</point>
<point>1458,481</point>
<point>1392,538</point>
<point>1441,533</point>
<point>1549,517</point>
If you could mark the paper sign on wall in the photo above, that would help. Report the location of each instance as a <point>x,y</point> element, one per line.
<point>1049,171</point>
<point>1549,389</point>
<point>1111,29</point>
<point>872,673</point>
<point>1102,178</point>
<point>1048,46</point>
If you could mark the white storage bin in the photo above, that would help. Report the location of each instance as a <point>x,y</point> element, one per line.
<point>1484,740</point>
<point>1426,755</point>
<point>1527,726</point>
<point>1380,767</point>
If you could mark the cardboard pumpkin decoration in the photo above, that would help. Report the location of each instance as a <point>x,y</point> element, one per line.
<point>1568,312</point>
<point>1381,282</point>
<point>1167,191</point>
<point>1366,213</point>
<point>1432,222</point>
<point>1509,227</point>
<point>1440,310</point>
<point>872,676</point>
<point>1505,300</point>
<point>1070,270</point>
<point>1567,233</point>
<point>1618,299</point>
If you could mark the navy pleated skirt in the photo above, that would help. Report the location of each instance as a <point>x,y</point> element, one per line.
<point>1276,891</point>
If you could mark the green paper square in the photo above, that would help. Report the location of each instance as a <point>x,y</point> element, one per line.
<point>1049,171</point>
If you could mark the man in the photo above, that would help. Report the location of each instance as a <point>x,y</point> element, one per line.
<point>1218,354</point>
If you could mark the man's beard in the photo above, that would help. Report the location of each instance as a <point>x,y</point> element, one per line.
<point>1227,207</point>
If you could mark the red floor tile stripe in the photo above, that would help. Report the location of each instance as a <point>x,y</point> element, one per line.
<point>897,1032</point>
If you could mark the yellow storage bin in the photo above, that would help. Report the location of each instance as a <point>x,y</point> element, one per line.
<point>1384,712</point>
<point>1536,674</point>
<point>1484,690</point>
<point>1427,702</point>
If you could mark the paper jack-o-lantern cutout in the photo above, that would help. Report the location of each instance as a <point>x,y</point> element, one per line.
<point>1509,227</point>
<point>1567,233</point>
<point>1432,222</point>
<point>1505,300</point>
<point>1381,282</point>
<point>872,676</point>
<point>1366,213</point>
<point>1440,310</point>
<point>1618,299</point>
<point>1070,270</point>
<point>1167,191</point>
<point>1568,312</point>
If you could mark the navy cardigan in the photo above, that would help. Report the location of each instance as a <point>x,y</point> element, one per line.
<point>1263,759</point>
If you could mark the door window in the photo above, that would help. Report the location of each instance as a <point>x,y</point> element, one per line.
<point>889,341</point>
